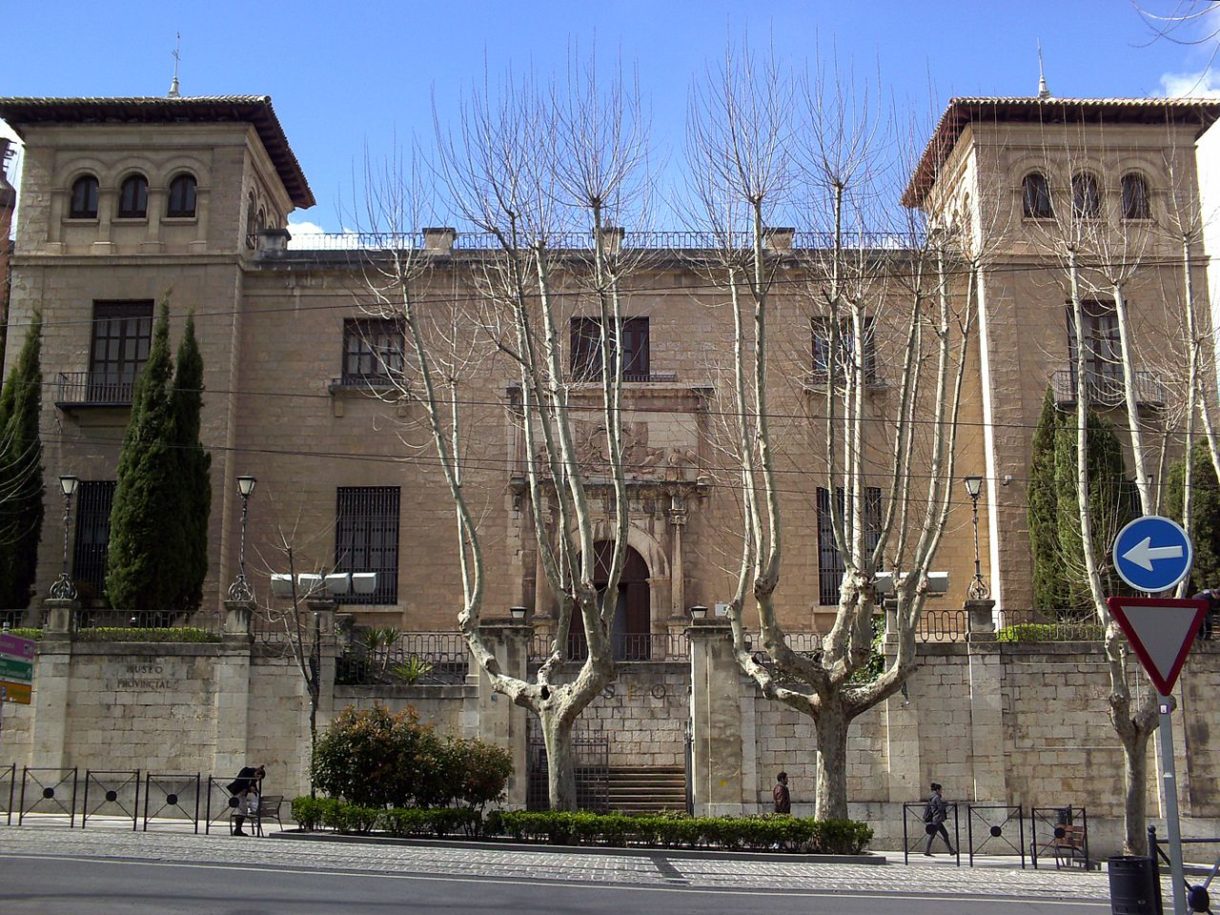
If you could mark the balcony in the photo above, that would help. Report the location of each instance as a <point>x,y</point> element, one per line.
<point>1105,389</point>
<point>86,390</point>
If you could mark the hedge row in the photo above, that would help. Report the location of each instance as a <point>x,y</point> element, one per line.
<point>754,833</point>
<point>1051,632</point>
<point>332,813</point>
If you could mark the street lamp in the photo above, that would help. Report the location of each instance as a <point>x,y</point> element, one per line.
<point>63,589</point>
<point>978,587</point>
<point>240,591</point>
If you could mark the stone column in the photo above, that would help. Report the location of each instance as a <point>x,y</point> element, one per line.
<point>677,569</point>
<point>717,752</point>
<point>901,715</point>
<point>231,690</point>
<point>986,706</point>
<point>500,721</point>
<point>52,686</point>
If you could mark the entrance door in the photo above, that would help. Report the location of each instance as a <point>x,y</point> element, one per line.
<point>631,633</point>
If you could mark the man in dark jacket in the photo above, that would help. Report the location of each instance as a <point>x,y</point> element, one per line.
<point>783,800</point>
<point>245,789</point>
<point>1212,596</point>
<point>934,814</point>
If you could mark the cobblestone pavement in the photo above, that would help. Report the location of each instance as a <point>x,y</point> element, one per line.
<point>656,867</point>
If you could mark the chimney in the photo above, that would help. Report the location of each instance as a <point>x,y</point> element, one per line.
<point>778,240</point>
<point>439,239</point>
<point>612,239</point>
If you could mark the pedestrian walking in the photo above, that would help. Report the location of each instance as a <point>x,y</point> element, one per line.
<point>934,815</point>
<point>780,794</point>
<point>1212,596</point>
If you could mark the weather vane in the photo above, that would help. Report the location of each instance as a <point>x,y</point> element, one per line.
<point>176,54</point>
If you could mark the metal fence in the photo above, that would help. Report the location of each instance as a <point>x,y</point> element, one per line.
<point>592,769</point>
<point>627,646</point>
<point>413,658</point>
<point>583,241</point>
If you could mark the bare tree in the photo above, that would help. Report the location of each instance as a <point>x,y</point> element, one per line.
<point>544,175</point>
<point>750,167</point>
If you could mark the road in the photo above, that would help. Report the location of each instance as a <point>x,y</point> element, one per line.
<point>56,870</point>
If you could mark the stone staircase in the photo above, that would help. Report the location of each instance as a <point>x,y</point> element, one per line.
<point>646,789</point>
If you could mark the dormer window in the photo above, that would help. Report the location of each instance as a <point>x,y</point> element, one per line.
<point>1036,192</point>
<point>181,196</point>
<point>84,198</point>
<point>133,197</point>
<point>1135,197</point>
<point>1086,199</point>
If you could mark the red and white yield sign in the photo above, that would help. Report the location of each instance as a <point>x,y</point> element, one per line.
<point>1161,631</point>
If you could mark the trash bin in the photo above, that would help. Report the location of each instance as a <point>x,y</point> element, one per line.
<point>1135,886</point>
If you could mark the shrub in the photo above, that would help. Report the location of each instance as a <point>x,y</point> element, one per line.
<point>478,772</point>
<point>1051,632</point>
<point>376,758</point>
<point>307,811</point>
<point>840,837</point>
<point>146,634</point>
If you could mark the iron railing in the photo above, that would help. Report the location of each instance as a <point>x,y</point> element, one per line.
<point>591,757</point>
<point>424,658</point>
<point>1107,388</point>
<point>629,646</point>
<point>87,389</point>
<point>583,241</point>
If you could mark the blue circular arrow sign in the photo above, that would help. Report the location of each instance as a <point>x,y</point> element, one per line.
<point>1152,554</point>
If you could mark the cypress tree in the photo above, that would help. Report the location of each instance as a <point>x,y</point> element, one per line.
<point>1050,584</point>
<point>1112,503</point>
<point>1205,513</point>
<point>194,465</point>
<point>144,562</point>
<point>21,509</point>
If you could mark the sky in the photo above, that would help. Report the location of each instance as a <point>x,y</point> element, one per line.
<point>346,77</point>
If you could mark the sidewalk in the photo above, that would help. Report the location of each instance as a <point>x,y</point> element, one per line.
<point>996,878</point>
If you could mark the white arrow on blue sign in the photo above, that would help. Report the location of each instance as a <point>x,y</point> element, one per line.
<point>1153,554</point>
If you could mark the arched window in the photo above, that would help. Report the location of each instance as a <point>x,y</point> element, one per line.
<point>1037,196</point>
<point>1086,199</point>
<point>133,197</point>
<point>1135,197</point>
<point>181,196</point>
<point>251,216</point>
<point>84,198</point>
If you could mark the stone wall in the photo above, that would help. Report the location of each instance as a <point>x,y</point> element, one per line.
<point>994,723</point>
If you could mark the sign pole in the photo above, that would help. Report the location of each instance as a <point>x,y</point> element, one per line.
<point>1165,732</point>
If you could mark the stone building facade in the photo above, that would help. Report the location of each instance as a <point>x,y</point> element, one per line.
<point>128,201</point>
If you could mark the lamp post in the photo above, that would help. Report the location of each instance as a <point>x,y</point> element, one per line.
<point>240,591</point>
<point>63,589</point>
<point>978,587</point>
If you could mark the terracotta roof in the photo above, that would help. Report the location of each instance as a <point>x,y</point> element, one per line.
<point>255,110</point>
<point>962,111</point>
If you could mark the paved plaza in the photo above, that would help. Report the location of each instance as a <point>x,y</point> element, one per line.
<point>992,878</point>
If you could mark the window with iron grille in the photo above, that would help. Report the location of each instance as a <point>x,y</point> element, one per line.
<point>122,334</point>
<point>846,358</point>
<point>830,560</point>
<point>366,539</point>
<point>585,361</point>
<point>93,501</point>
<point>372,351</point>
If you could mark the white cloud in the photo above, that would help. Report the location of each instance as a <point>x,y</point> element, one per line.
<point>1205,84</point>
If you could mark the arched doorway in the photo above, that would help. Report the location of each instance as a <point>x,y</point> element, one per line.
<point>631,633</point>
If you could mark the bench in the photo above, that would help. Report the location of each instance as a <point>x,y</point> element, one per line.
<point>269,806</point>
<point>1071,847</point>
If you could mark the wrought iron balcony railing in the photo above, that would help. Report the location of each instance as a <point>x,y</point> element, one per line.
<point>88,389</point>
<point>1106,388</point>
